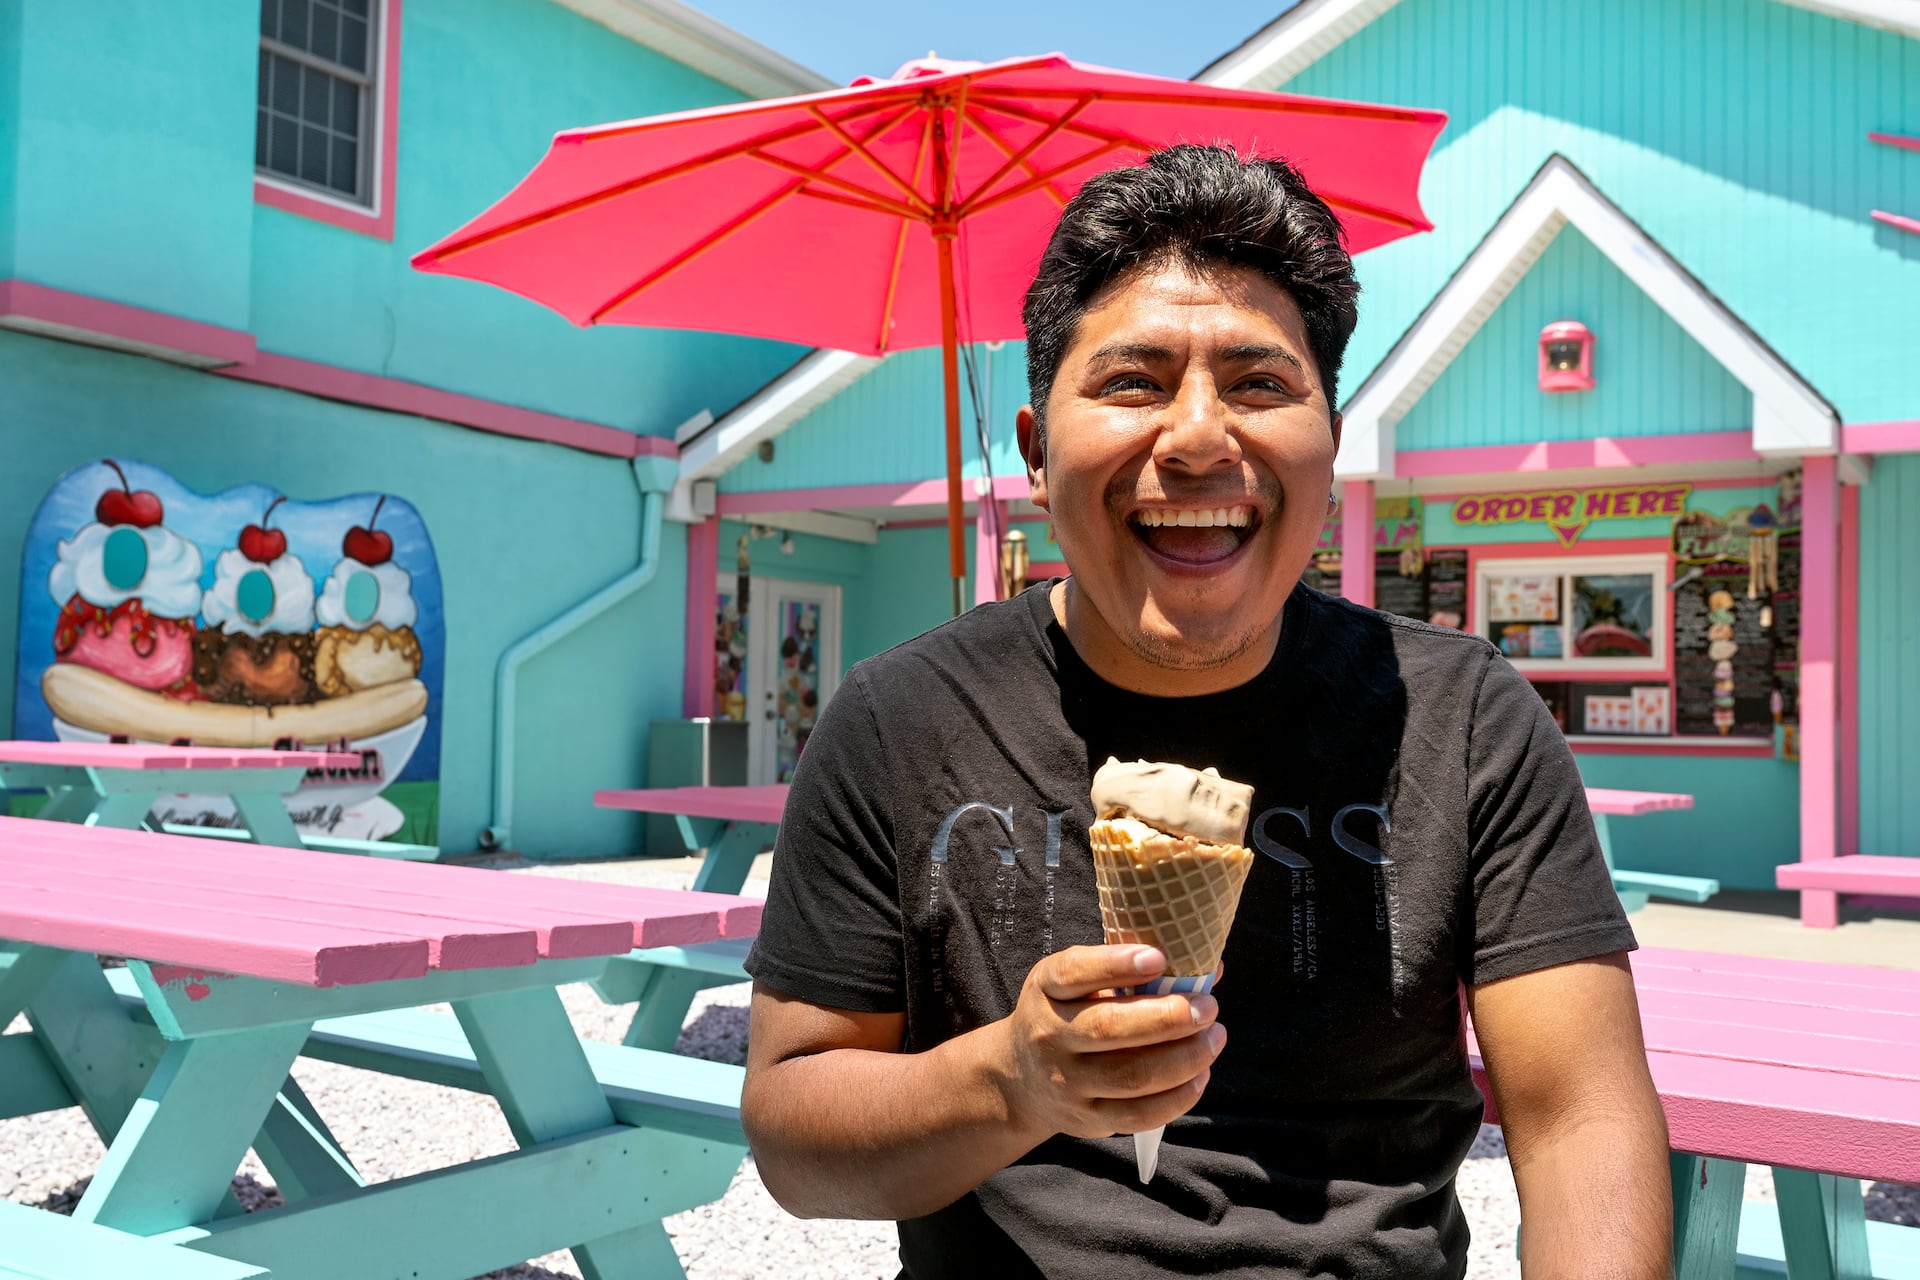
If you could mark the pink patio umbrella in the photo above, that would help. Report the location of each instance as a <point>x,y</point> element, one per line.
<point>832,219</point>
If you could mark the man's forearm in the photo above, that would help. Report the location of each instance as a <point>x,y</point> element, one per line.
<point>1594,1200</point>
<point>854,1133</point>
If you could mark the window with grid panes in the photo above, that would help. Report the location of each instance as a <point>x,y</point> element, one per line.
<point>315,119</point>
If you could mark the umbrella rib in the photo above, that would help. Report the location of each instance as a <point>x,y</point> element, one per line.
<point>900,239</point>
<point>855,202</point>
<point>1019,159</point>
<point>581,203</point>
<point>1377,212</point>
<point>859,147</point>
<point>1044,179</point>
<point>1279,104</point>
<point>694,250</point>
<point>813,173</point>
<point>1078,129</point>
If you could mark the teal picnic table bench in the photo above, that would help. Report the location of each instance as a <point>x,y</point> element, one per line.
<point>241,959</point>
<point>1635,887</point>
<point>733,824</point>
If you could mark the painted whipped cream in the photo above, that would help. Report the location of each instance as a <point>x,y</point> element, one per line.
<point>170,587</point>
<point>383,597</point>
<point>280,600</point>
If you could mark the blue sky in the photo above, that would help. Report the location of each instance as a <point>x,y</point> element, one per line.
<point>845,38</point>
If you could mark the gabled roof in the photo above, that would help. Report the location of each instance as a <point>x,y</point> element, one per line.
<point>1307,32</point>
<point>710,448</point>
<point>1789,416</point>
<point>690,37</point>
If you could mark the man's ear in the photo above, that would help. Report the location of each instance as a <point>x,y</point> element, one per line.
<point>1033,450</point>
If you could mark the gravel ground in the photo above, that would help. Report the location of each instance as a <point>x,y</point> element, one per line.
<point>394,1128</point>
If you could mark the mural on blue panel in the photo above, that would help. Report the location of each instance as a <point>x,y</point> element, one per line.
<point>151,613</point>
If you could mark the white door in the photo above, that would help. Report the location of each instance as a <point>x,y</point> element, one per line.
<point>794,653</point>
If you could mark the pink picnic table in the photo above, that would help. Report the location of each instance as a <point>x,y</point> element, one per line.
<point>1811,1068</point>
<point>115,784</point>
<point>733,824</point>
<point>1635,887</point>
<point>237,956</point>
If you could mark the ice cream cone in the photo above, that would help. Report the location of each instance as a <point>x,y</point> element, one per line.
<point>1169,863</point>
<point>1175,893</point>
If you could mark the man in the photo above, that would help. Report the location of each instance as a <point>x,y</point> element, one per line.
<point>934,1038</point>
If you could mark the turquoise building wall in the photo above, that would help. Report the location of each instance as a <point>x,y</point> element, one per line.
<point>522,531</point>
<point>1733,131</point>
<point>131,179</point>
<point>127,174</point>
<point>1652,377</point>
<point>1889,681</point>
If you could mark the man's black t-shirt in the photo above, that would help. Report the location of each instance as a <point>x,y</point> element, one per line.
<point>1422,824</point>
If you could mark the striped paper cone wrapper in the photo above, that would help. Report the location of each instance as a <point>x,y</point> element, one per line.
<point>1173,893</point>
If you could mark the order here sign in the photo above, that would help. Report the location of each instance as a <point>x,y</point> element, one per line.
<point>1568,511</point>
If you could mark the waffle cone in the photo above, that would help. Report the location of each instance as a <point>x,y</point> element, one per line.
<point>1175,893</point>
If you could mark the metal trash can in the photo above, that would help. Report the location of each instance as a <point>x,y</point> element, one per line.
<point>701,752</point>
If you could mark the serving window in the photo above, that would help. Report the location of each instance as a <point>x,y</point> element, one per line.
<point>1588,614</point>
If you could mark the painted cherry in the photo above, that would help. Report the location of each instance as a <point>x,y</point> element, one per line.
<point>368,545</point>
<point>261,544</point>
<point>126,505</point>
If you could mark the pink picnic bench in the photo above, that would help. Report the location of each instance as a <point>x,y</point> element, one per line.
<point>1813,1069</point>
<point>115,784</point>
<point>241,959</point>
<point>1894,880</point>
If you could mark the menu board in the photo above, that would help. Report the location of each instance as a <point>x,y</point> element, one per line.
<point>1786,627</point>
<point>1722,656</point>
<point>1395,593</point>
<point>1447,586</point>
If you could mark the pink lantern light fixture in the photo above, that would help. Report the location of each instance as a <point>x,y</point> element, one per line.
<point>1566,357</point>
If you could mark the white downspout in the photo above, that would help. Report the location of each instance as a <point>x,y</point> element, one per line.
<point>653,477</point>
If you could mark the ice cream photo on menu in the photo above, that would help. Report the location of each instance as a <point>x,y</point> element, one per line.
<point>152,613</point>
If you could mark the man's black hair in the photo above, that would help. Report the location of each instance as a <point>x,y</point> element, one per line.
<point>1204,207</point>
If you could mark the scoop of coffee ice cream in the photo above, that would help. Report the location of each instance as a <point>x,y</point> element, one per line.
<point>1174,799</point>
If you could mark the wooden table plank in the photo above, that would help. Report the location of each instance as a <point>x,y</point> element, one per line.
<point>657,917</point>
<point>1855,873</point>
<point>1832,1054</point>
<point>560,934</point>
<point>1630,804</point>
<point>213,941</point>
<point>1771,967</point>
<point>1779,990</point>
<point>731,804</point>
<point>1854,1126</point>
<point>136,890</point>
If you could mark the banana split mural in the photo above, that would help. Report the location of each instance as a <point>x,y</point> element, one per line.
<point>151,613</point>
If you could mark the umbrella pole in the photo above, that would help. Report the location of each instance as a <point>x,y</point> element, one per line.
<point>950,372</point>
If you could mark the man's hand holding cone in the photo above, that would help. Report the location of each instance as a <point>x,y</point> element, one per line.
<point>1080,1062</point>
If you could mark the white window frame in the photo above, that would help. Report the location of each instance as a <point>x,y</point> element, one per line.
<point>373,108</point>
<point>1655,564</point>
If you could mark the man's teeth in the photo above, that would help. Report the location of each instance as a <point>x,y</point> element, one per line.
<point>1153,517</point>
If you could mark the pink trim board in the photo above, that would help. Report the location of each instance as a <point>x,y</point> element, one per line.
<point>1567,455</point>
<point>376,221</point>
<point>57,313</point>
<point>920,493</point>
<point>1894,140</point>
<point>334,383</point>
<point>1881,437</point>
